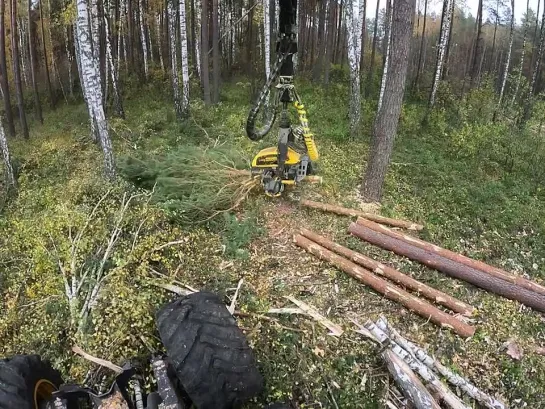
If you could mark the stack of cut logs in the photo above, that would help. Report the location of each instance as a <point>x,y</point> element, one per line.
<point>376,275</point>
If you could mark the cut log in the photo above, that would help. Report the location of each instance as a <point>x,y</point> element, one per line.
<point>408,382</point>
<point>450,267</point>
<point>383,270</point>
<point>451,377</point>
<point>432,381</point>
<point>390,291</point>
<point>476,264</point>
<point>358,213</point>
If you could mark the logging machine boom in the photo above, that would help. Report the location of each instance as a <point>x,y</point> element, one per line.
<point>293,158</point>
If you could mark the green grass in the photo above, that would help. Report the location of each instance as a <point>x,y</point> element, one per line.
<point>476,186</point>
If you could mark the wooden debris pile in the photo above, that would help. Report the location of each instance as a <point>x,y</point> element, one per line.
<point>419,375</point>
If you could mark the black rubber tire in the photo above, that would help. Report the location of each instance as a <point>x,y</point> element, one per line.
<point>19,376</point>
<point>209,353</point>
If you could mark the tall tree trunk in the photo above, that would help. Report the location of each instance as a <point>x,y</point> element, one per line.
<point>184,60</point>
<point>70,61</point>
<point>10,175</point>
<point>193,37</point>
<point>83,84</point>
<point>537,63</point>
<point>373,51</point>
<point>159,37</point>
<point>385,127</point>
<point>475,70</point>
<point>508,59</point>
<point>52,97</point>
<point>37,103</point>
<point>267,37</point>
<point>441,50</point>
<point>420,52</point>
<point>205,45</point>
<point>216,74</point>
<point>386,57</point>
<point>363,13</point>
<point>330,41</point>
<point>143,38</point>
<point>118,102</point>
<point>320,42</point>
<point>352,24</point>
<point>17,69</point>
<point>198,41</point>
<point>387,26</point>
<point>338,44</point>
<point>53,63</point>
<point>535,38</point>
<point>23,46</point>
<point>130,31</point>
<point>91,78</point>
<point>446,66</point>
<point>523,54</point>
<point>171,8</point>
<point>4,73</point>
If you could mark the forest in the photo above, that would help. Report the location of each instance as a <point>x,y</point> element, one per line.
<point>125,174</point>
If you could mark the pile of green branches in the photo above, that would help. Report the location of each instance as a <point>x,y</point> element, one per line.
<point>193,184</point>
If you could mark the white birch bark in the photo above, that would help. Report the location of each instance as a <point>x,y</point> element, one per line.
<point>12,183</point>
<point>158,33</point>
<point>508,59</point>
<point>361,20</point>
<point>441,51</point>
<point>184,60</point>
<point>143,38</point>
<point>173,59</point>
<point>118,104</point>
<point>23,48</point>
<point>83,83</point>
<point>70,62</point>
<point>386,62</point>
<point>521,64</point>
<point>352,24</point>
<point>91,78</point>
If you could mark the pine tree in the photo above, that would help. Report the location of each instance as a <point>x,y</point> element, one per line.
<point>4,73</point>
<point>15,56</point>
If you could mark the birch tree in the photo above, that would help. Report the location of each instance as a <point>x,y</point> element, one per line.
<point>441,50</point>
<point>15,55</point>
<point>118,102</point>
<point>267,36</point>
<point>385,127</point>
<point>354,54</point>
<point>143,38</point>
<point>508,59</point>
<point>159,36</point>
<point>10,176</point>
<point>205,76</point>
<point>171,10</point>
<point>388,41</point>
<point>523,54</point>
<point>90,73</point>
<point>184,60</point>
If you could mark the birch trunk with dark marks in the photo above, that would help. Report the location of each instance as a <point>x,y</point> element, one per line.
<point>184,57</point>
<point>10,175</point>
<point>171,9</point>
<point>23,46</point>
<point>32,62</point>
<point>4,73</point>
<point>118,102</point>
<point>143,38</point>
<point>422,47</point>
<point>388,40</point>
<point>446,65</point>
<point>523,54</point>
<point>373,51</point>
<point>83,85</point>
<point>441,50</point>
<point>267,36</point>
<point>159,36</point>
<point>15,55</point>
<point>508,59</point>
<point>52,97</point>
<point>91,78</point>
<point>386,123</point>
<point>363,10</point>
<point>352,24</point>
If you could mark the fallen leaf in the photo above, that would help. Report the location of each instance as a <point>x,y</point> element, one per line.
<point>513,350</point>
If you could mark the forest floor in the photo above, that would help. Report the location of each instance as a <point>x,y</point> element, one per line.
<point>470,202</point>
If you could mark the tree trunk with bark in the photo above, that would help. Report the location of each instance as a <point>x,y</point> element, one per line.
<point>478,48</point>
<point>386,123</point>
<point>10,126</point>
<point>523,54</point>
<point>17,69</point>
<point>320,43</point>
<point>52,96</point>
<point>141,21</point>
<point>32,58</point>
<point>330,41</point>
<point>373,51</point>
<point>184,58</point>
<point>118,101</point>
<point>387,42</point>
<point>446,66</point>
<point>496,22</point>
<point>205,76</point>
<point>10,175</point>
<point>508,59</point>
<point>537,64</point>
<point>91,78</point>
<point>216,72</point>
<point>171,8</point>
<point>363,18</point>
<point>352,24</point>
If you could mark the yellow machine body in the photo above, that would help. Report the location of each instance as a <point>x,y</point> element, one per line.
<point>268,158</point>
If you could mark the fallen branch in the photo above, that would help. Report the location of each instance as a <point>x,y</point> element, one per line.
<point>102,362</point>
<point>383,270</point>
<point>234,300</point>
<point>173,288</point>
<point>358,213</point>
<point>450,267</point>
<point>390,291</point>
<point>408,382</point>
<point>453,378</point>
<point>476,264</point>
<point>335,329</point>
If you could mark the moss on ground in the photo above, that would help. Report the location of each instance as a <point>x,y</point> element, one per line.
<point>481,196</point>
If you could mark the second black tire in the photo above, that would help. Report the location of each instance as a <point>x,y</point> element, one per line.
<point>209,352</point>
